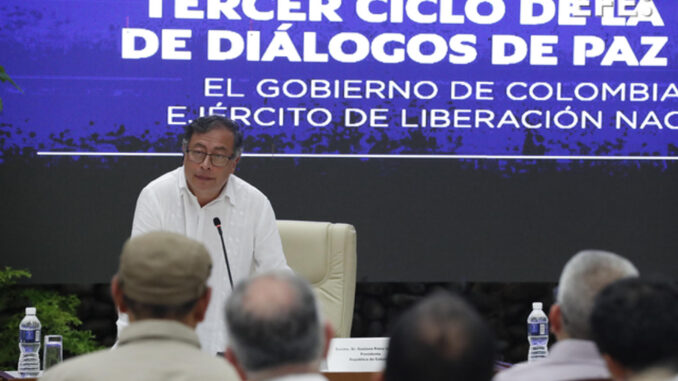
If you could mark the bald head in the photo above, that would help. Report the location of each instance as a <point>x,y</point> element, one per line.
<point>273,321</point>
<point>440,338</point>
<point>268,296</point>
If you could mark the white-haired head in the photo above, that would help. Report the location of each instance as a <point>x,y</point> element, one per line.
<point>584,275</point>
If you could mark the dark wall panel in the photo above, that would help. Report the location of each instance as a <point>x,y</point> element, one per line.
<point>65,219</point>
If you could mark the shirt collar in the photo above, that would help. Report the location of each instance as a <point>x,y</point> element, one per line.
<point>575,348</point>
<point>148,329</point>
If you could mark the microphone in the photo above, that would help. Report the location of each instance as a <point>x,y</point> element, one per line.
<point>217,223</point>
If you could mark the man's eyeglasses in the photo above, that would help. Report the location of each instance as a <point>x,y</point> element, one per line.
<point>216,159</point>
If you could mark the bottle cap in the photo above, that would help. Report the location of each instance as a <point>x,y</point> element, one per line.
<point>30,310</point>
<point>537,306</point>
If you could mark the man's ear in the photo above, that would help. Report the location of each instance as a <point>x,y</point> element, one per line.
<point>235,163</point>
<point>618,372</point>
<point>200,308</point>
<point>233,360</point>
<point>328,331</point>
<point>116,294</point>
<point>556,319</point>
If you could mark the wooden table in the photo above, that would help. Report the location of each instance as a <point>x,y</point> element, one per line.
<point>350,376</point>
<point>4,376</point>
<point>332,376</point>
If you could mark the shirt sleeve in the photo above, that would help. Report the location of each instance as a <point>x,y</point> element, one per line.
<point>147,214</point>
<point>146,219</point>
<point>268,252</point>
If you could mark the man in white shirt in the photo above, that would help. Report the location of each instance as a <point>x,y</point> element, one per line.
<point>574,356</point>
<point>188,199</point>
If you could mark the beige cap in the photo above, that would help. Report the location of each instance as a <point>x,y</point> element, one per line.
<point>164,268</point>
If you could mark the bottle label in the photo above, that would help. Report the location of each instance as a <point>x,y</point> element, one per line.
<point>537,329</point>
<point>29,336</point>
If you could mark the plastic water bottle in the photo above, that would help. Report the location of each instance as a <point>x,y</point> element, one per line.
<point>537,333</point>
<point>29,344</point>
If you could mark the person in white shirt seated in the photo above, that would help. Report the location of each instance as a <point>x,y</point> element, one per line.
<point>187,201</point>
<point>574,356</point>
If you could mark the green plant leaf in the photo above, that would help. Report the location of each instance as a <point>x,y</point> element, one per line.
<point>57,314</point>
<point>8,276</point>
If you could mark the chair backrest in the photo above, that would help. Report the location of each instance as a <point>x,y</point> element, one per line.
<point>324,254</point>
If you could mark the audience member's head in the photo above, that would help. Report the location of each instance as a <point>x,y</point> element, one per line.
<point>163,275</point>
<point>635,326</point>
<point>584,275</point>
<point>275,327</point>
<point>440,338</point>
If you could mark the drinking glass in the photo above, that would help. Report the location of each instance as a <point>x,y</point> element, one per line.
<point>53,353</point>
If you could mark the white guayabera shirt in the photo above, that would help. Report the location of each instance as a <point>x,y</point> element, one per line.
<point>250,235</point>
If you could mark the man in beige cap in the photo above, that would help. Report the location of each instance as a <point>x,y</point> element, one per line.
<point>162,285</point>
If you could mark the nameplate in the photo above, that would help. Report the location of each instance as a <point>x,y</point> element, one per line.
<point>366,354</point>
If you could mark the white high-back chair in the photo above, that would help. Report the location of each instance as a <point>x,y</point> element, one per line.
<point>324,254</point>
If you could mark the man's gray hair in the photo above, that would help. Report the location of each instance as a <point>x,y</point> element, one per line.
<point>583,276</point>
<point>273,320</point>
